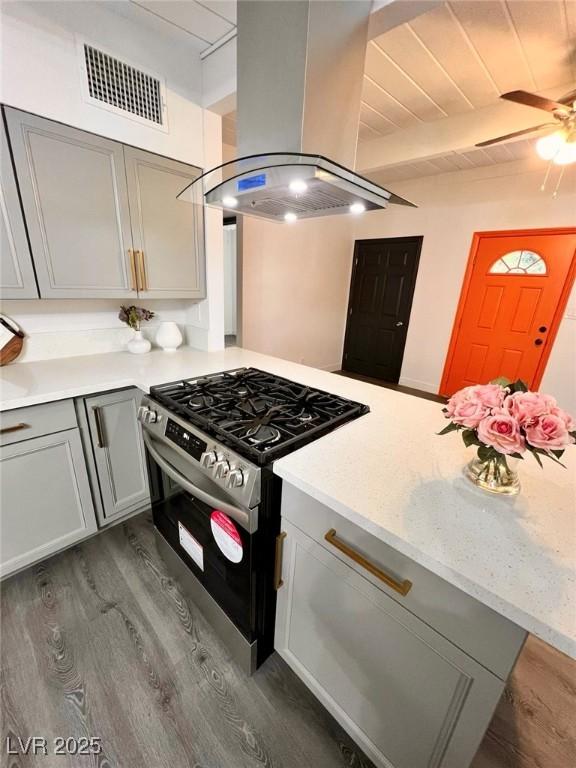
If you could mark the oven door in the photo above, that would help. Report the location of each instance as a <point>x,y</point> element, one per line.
<point>209,532</point>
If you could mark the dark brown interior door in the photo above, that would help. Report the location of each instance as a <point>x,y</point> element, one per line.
<point>381,291</point>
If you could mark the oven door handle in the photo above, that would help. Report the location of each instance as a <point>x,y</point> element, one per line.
<point>243,518</point>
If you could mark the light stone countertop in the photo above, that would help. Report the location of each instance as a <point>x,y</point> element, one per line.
<point>391,474</point>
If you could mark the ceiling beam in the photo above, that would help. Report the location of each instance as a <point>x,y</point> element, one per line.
<point>396,12</point>
<point>450,134</point>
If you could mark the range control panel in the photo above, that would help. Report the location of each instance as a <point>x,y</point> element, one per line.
<point>185,440</point>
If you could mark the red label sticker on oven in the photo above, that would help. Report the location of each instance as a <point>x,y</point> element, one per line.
<point>226,536</point>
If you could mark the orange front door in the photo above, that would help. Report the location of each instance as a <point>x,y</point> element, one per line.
<point>514,293</point>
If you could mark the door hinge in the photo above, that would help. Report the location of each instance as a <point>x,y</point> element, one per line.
<point>355,262</point>
<point>349,311</point>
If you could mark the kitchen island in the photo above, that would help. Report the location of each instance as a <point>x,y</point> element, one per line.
<point>465,575</point>
<point>389,473</point>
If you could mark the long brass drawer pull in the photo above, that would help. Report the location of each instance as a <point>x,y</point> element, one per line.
<point>143,277</point>
<point>99,430</point>
<point>133,274</point>
<point>402,587</point>
<point>278,561</point>
<point>13,428</point>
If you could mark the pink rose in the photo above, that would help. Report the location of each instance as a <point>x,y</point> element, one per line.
<point>472,404</point>
<point>565,417</point>
<point>549,432</point>
<point>527,407</point>
<point>502,432</point>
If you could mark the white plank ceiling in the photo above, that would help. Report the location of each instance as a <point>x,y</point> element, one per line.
<point>461,56</point>
<point>206,21</point>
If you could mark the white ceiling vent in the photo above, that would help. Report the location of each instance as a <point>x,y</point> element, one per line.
<point>123,88</point>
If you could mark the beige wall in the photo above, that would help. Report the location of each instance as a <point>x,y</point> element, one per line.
<point>295,288</point>
<point>453,207</point>
<point>296,277</point>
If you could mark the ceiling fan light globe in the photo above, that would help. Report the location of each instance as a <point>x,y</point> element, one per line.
<point>549,146</point>
<point>566,154</point>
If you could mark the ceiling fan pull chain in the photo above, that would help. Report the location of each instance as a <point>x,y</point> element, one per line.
<point>555,193</point>
<point>547,174</point>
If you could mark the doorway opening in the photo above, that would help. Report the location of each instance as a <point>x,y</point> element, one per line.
<point>231,282</point>
<point>515,291</point>
<point>381,291</point>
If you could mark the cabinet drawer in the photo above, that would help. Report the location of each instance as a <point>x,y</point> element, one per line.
<point>488,637</point>
<point>36,420</point>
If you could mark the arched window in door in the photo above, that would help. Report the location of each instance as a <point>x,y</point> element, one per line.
<point>519,263</point>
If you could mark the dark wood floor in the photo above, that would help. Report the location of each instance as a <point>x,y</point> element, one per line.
<point>99,641</point>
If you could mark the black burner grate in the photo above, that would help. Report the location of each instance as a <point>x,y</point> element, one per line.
<point>260,415</point>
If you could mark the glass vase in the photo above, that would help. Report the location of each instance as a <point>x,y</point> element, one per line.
<point>496,475</point>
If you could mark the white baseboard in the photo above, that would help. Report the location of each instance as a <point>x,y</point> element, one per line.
<point>425,386</point>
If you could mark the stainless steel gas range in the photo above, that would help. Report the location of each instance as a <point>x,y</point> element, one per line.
<point>211,442</point>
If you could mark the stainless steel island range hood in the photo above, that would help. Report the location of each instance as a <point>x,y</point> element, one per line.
<point>300,70</point>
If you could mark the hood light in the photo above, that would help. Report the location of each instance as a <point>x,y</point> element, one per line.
<point>357,208</point>
<point>229,202</point>
<point>298,186</point>
<point>290,217</point>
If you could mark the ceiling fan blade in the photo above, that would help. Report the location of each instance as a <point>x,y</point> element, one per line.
<point>533,100</point>
<point>568,98</point>
<point>513,135</point>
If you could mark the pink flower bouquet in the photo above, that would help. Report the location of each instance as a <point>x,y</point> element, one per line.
<point>504,419</point>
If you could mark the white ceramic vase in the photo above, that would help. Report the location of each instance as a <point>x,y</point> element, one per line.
<point>169,337</point>
<point>138,345</point>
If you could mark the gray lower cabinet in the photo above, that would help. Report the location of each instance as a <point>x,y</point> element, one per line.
<point>45,497</point>
<point>75,199</point>
<point>120,478</point>
<point>407,694</point>
<point>16,272</point>
<point>167,233</point>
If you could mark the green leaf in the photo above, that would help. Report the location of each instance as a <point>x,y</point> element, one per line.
<point>516,456</point>
<point>538,459</point>
<point>558,454</point>
<point>502,381</point>
<point>450,428</point>
<point>518,386</point>
<point>485,453</point>
<point>469,437</point>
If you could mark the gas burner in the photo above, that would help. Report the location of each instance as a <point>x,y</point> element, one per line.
<point>262,434</point>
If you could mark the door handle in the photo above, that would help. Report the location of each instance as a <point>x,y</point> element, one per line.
<point>278,561</point>
<point>133,269</point>
<point>143,277</point>
<point>402,587</point>
<point>542,329</point>
<point>13,428</point>
<point>99,430</point>
<point>538,342</point>
<point>399,324</point>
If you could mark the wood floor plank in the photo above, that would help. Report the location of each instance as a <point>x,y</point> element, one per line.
<point>100,641</point>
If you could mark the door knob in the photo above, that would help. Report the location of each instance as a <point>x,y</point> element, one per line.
<point>538,342</point>
<point>542,329</point>
<point>399,323</point>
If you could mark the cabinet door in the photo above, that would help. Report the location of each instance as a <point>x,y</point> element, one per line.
<point>406,695</point>
<point>167,233</point>
<point>119,452</point>
<point>16,271</point>
<point>73,188</point>
<point>45,498</point>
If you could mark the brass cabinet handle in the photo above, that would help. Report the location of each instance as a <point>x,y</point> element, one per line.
<point>13,428</point>
<point>99,429</point>
<point>402,587</point>
<point>278,561</point>
<point>143,277</point>
<point>133,269</point>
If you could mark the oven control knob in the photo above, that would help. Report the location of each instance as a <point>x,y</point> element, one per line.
<point>235,479</point>
<point>152,417</point>
<point>208,459</point>
<point>222,469</point>
<point>141,412</point>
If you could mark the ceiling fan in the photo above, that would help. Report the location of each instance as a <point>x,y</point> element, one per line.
<point>558,146</point>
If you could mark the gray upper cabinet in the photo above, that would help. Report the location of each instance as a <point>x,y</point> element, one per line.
<point>119,455</point>
<point>167,233</point>
<point>75,200</point>
<point>16,271</point>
